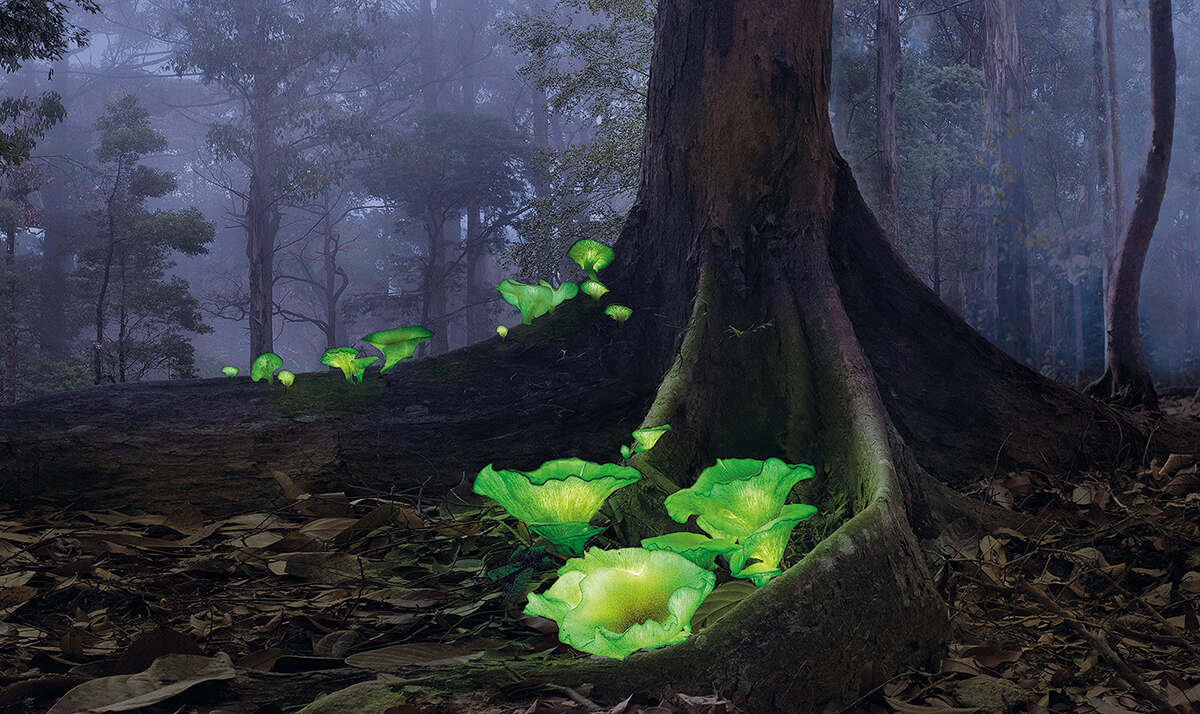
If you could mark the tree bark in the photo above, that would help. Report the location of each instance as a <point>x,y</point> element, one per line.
<point>1005,140</point>
<point>1110,53</point>
<point>887,79</point>
<point>1108,237</point>
<point>1126,376</point>
<point>262,225</point>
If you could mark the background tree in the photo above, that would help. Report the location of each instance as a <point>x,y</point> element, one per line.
<point>276,60</point>
<point>887,80</point>
<point>1126,375</point>
<point>126,268</point>
<point>432,172</point>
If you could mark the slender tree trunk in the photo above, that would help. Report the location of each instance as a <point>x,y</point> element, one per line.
<point>106,278</point>
<point>1005,137</point>
<point>1110,51</point>
<point>936,236</point>
<point>122,317</point>
<point>477,290</point>
<point>887,79</point>
<point>1077,319</point>
<point>1126,376</point>
<point>1108,237</point>
<point>262,226</point>
<point>8,394</point>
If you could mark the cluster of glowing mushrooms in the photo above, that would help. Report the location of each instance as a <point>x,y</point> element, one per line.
<point>613,603</point>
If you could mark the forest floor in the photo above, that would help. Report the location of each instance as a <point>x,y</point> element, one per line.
<point>1093,609</point>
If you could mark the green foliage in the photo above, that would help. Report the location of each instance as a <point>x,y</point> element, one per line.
<point>592,59</point>
<point>126,269</point>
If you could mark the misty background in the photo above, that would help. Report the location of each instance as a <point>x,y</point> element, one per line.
<point>237,177</point>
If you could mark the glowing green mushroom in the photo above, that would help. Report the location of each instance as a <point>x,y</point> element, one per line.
<point>347,360</point>
<point>647,438</point>
<point>286,378</point>
<point>558,498</point>
<point>264,367</point>
<point>699,549</point>
<point>620,313</point>
<point>229,371</point>
<point>613,603</point>
<point>535,300</point>
<point>502,331</point>
<point>397,344</point>
<point>757,557</point>
<point>736,497</point>
<point>593,288</point>
<point>591,256</point>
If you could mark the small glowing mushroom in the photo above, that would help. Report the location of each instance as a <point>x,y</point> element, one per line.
<point>735,497</point>
<point>613,603</point>
<point>347,360</point>
<point>397,344</point>
<point>535,300</point>
<point>700,549</point>
<point>558,499</point>
<point>591,256</point>
<point>286,378</point>
<point>264,367</point>
<point>620,313</point>
<point>647,438</point>
<point>593,288</point>
<point>757,558</point>
<point>502,330</point>
<point>229,371</point>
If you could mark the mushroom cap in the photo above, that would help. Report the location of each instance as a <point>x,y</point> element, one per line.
<point>381,338</point>
<point>767,544</point>
<point>620,313</point>
<point>264,366</point>
<point>230,371</point>
<point>286,378</point>
<point>735,497</point>
<point>338,356</point>
<point>593,289</point>
<point>648,437</point>
<point>700,549</point>
<point>591,255</point>
<point>615,602</point>
<point>397,344</point>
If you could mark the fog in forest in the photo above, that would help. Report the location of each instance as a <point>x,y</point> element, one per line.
<point>233,177</point>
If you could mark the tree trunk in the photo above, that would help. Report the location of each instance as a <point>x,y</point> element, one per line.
<point>477,290</point>
<point>1108,237</point>
<point>262,224</point>
<point>53,335</point>
<point>887,79</point>
<point>1110,52</point>
<point>1005,139</point>
<point>8,390</point>
<point>1126,376</point>
<point>746,217</point>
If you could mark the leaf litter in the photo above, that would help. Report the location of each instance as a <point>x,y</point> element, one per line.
<point>264,612</point>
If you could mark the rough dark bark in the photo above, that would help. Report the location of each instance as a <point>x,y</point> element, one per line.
<point>1126,376</point>
<point>1005,100</point>
<point>747,218</point>
<point>887,80</point>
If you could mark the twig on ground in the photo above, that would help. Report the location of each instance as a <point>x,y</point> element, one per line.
<point>1105,650</point>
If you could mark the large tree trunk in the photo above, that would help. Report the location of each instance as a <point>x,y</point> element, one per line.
<point>746,217</point>
<point>887,79</point>
<point>1126,375</point>
<point>1005,140</point>
<point>262,224</point>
